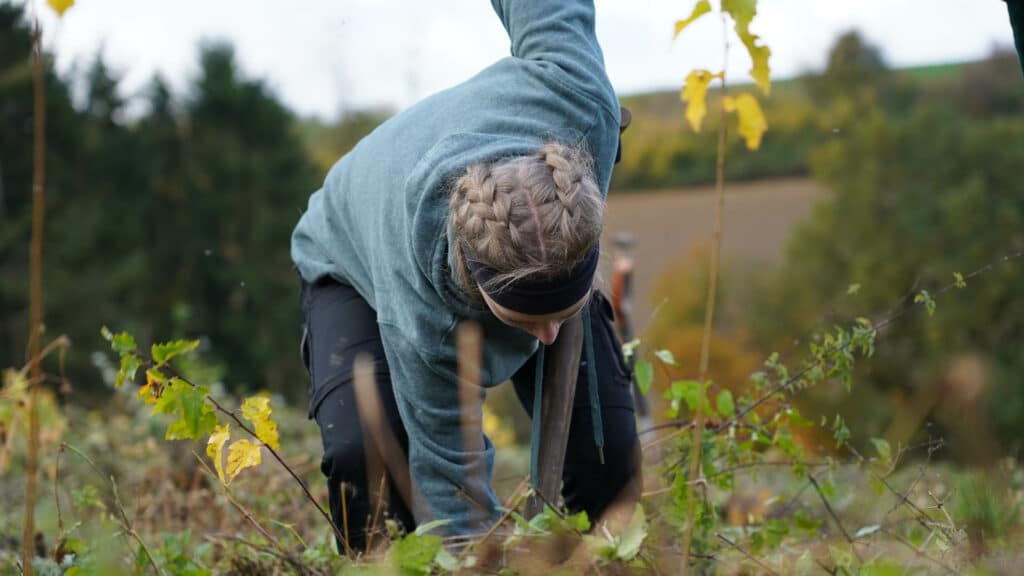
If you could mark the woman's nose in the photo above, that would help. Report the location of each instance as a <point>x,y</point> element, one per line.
<point>546,332</point>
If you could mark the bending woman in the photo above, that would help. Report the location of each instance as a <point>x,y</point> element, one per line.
<point>485,203</point>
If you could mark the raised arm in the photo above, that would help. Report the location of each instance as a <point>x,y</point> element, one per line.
<point>1017,22</point>
<point>556,31</point>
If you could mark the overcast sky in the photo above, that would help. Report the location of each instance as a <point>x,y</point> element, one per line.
<point>325,56</point>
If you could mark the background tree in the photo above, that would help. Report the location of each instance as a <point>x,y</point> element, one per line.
<point>915,200</point>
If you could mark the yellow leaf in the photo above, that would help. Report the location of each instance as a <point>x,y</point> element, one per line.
<point>743,12</point>
<point>702,8</point>
<point>60,6</point>
<point>695,95</point>
<point>215,449</point>
<point>752,122</point>
<point>759,55</point>
<point>241,455</point>
<point>150,391</point>
<point>257,410</point>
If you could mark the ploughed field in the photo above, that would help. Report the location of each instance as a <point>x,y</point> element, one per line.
<point>667,224</point>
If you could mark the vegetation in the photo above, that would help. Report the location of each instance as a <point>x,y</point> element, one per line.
<point>843,451</point>
<point>169,222</point>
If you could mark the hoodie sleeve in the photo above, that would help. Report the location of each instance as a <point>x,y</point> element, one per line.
<point>556,31</point>
<point>448,481</point>
<point>1016,8</point>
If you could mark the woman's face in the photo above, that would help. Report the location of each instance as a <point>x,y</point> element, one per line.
<point>544,327</point>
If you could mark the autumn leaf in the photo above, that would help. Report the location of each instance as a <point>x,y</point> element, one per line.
<point>695,95</point>
<point>215,449</point>
<point>702,8</point>
<point>752,122</point>
<point>61,6</point>
<point>759,55</point>
<point>241,455</point>
<point>150,391</point>
<point>257,411</point>
<point>195,416</point>
<point>743,12</point>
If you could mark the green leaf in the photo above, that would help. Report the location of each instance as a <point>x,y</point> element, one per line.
<point>839,428</point>
<point>724,403</point>
<point>702,8</point>
<point>423,529</point>
<point>414,554</point>
<point>853,289</point>
<point>692,392</point>
<point>923,297</point>
<point>130,364</point>
<point>447,561</point>
<point>163,353</point>
<point>643,371</point>
<point>633,537</point>
<point>882,447</point>
<point>122,342</point>
<point>578,522</point>
<point>195,416</point>
<point>806,523</point>
<point>666,357</point>
<point>959,278</point>
<point>797,419</point>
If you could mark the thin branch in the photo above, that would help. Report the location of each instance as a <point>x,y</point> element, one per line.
<point>664,425</point>
<point>220,538</point>
<point>667,437</point>
<point>895,536</point>
<point>877,326</point>
<point>126,526</point>
<point>747,554</point>
<point>835,517</point>
<point>709,310</point>
<point>238,421</point>
<point>504,517</point>
<point>35,324</point>
<point>234,502</point>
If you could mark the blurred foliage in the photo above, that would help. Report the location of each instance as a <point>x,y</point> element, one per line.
<point>925,172</point>
<point>919,195</point>
<point>804,113</point>
<point>680,295</point>
<point>187,206</point>
<point>328,142</point>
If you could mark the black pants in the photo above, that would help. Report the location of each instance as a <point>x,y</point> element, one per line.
<point>339,324</point>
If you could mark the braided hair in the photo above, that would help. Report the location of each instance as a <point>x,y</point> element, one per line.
<point>526,217</point>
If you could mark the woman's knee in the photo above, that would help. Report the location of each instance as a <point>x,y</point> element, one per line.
<point>344,461</point>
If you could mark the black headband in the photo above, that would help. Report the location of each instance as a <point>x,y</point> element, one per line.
<point>540,296</point>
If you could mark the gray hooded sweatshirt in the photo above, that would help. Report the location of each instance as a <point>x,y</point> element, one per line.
<point>379,224</point>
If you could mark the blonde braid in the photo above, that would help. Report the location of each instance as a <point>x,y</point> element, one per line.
<point>528,216</point>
